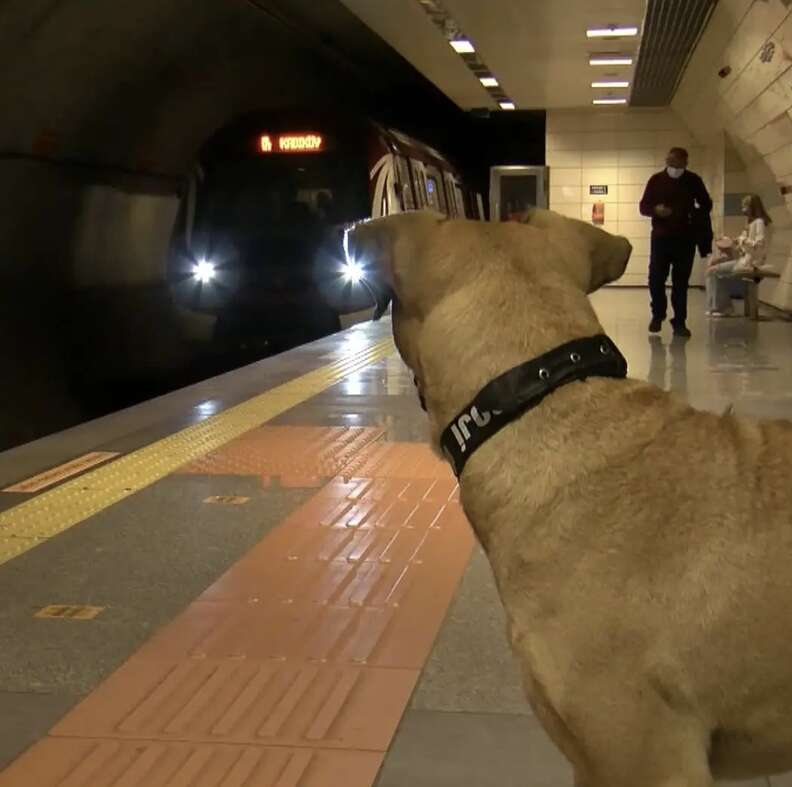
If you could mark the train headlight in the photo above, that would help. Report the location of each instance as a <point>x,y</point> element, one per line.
<point>204,271</point>
<point>352,271</point>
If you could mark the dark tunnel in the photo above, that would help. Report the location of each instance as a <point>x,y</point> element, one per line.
<point>107,109</point>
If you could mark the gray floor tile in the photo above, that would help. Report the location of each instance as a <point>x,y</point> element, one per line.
<point>728,361</point>
<point>472,668</point>
<point>26,717</point>
<point>435,749</point>
<point>144,559</point>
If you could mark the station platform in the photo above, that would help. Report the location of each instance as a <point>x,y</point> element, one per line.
<point>267,579</point>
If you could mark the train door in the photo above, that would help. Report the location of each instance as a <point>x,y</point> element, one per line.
<point>384,200</point>
<point>460,200</point>
<point>419,182</point>
<point>456,196</point>
<point>404,183</point>
<point>448,184</point>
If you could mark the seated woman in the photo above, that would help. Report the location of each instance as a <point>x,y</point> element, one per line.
<point>747,254</point>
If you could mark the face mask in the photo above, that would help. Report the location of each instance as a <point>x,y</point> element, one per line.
<point>675,172</point>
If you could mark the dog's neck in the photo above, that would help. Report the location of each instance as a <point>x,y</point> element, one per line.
<point>523,388</point>
<point>454,371</point>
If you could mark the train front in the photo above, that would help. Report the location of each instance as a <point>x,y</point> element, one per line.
<point>258,242</point>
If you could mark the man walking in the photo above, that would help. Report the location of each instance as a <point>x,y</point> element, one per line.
<point>671,198</point>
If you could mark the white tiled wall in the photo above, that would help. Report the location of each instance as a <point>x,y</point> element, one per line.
<point>754,106</point>
<point>622,149</point>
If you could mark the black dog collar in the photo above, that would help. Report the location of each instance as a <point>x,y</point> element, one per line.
<point>523,388</point>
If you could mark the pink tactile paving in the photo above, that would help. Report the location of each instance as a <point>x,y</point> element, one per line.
<point>296,455</point>
<point>65,762</point>
<point>294,668</point>
<point>275,703</point>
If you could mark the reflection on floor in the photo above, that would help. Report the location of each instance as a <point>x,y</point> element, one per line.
<point>728,361</point>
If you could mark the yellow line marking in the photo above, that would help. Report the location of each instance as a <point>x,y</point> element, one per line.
<point>61,472</point>
<point>69,612</point>
<point>75,501</point>
<point>231,500</point>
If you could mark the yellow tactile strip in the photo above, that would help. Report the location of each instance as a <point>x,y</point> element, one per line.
<point>294,668</point>
<point>22,527</point>
<point>301,456</point>
<point>12,546</point>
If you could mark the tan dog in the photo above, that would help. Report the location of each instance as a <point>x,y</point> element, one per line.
<point>642,549</point>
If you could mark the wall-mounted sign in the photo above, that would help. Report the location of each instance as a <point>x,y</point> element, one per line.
<point>291,143</point>
<point>598,189</point>
<point>598,213</point>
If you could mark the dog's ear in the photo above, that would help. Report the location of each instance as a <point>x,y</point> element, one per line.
<point>391,252</point>
<point>372,242</point>
<point>609,255</point>
<point>591,256</point>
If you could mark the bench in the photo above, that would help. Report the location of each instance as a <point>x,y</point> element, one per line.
<point>752,291</point>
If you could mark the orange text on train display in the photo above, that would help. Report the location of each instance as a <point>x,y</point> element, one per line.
<point>291,143</point>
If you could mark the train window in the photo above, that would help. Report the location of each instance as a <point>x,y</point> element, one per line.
<point>251,207</point>
<point>435,191</point>
<point>431,191</point>
<point>269,213</point>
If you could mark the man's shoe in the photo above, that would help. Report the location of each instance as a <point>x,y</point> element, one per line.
<point>680,329</point>
<point>655,325</point>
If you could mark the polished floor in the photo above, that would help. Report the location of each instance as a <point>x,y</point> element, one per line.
<point>283,529</point>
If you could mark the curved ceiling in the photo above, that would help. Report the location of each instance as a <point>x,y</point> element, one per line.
<point>142,85</point>
<point>538,51</point>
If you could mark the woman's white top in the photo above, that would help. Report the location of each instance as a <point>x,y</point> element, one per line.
<point>752,244</point>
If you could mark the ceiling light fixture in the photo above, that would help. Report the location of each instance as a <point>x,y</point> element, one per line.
<point>610,60</point>
<point>506,104</point>
<point>488,81</point>
<point>610,84</point>
<point>609,101</point>
<point>611,32</point>
<point>462,46</point>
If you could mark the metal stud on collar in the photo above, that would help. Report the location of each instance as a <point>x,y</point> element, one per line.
<point>574,357</point>
<point>544,374</point>
<point>604,349</point>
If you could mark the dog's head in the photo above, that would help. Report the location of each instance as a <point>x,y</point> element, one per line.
<point>421,256</point>
<point>591,256</point>
<point>519,285</point>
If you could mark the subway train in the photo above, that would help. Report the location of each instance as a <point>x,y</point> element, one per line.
<point>270,193</point>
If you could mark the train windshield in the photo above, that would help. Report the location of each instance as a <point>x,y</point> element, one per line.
<point>245,199</point>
